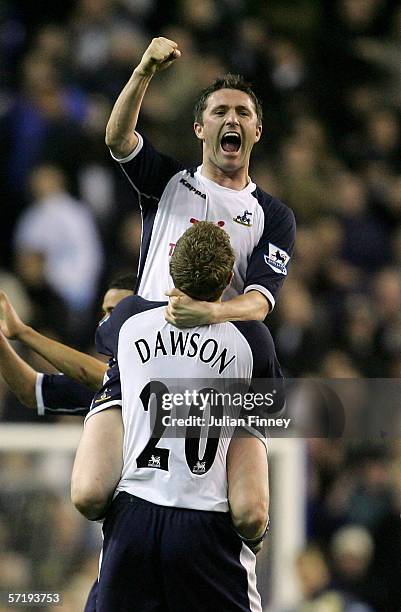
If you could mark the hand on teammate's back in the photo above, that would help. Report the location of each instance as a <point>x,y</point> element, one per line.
<point>160,54</point>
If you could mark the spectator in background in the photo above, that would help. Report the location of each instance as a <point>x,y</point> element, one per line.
<point>318,591</point>
<point>96,181</point>
<point>48,310</point>
<point>299,338</point>
<point>364,241</point>
<point>385,53</point>
<point>387,296</point>
<point>60,232</point>
<point>43,122</point>
<point>301,181</point>
<point>358,333</point>
<point>352,549</point>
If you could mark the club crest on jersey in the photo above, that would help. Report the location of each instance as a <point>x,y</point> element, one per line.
<point>199,467</point>
<point>244,219</point>
<point>277,259</point>
<point>154,461</point>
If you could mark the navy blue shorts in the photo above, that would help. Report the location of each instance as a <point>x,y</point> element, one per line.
<point>164,559</point>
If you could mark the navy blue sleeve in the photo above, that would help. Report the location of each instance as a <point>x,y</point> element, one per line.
<point>149,172</point>
<point>109,328</point>
<point>58,394</point>
<point>268,264</point>
<point>259,338</point>
<point>109,396</point>
<point>267,376</point>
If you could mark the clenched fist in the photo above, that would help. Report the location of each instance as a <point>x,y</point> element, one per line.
<point>159,55</point>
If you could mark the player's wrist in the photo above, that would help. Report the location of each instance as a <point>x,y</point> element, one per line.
<point>23,332</point>
<point>219,313</point>
<point>255,543</point>
<point>145,71</point>
<point>215,312</point>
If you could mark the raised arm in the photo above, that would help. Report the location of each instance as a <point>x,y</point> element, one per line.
<point>83,368</point>
<point>120,130</point>
<point>19,376</point>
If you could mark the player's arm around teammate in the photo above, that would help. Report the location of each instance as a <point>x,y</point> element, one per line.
<point>183,311</point>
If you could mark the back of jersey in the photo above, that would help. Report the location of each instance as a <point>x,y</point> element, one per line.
<point>182,466</point>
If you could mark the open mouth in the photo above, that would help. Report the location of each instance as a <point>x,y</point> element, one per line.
<point>231,142</point>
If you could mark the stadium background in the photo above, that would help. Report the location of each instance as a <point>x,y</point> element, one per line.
<point>329,78</point>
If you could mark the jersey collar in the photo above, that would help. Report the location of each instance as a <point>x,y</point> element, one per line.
<point>250,188</point>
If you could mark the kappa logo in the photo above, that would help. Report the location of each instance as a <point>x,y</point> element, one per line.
<point>244,219</point>
<point>154,461</point>
<point>277,259</point>
<point>199,467</point>
<point>192,188</point>
<point>218,223</point>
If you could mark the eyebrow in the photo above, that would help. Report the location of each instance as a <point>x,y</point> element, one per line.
<point>226,106</point>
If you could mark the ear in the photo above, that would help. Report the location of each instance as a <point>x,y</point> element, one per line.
<point>198,129</point>
<point>258,133</point>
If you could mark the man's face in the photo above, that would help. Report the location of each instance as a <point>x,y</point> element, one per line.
<point>230,129</point>
<point>112,297</point>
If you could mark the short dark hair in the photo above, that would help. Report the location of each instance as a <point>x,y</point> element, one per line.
<point>202,261</point>
<point>228,81</point>
<point>123,281</point>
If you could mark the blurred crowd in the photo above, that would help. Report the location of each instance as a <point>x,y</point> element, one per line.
<point>45,544</point>
<point>351,562</point>
<point>328,75</point>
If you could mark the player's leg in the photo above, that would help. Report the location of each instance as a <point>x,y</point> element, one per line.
<point>98,463</point>
<point>248,484</point>
<point>205,564</point>
<point>130,575</point>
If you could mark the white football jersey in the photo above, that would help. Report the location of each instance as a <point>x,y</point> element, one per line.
<point>173,197</point>
<point>182,466</point>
